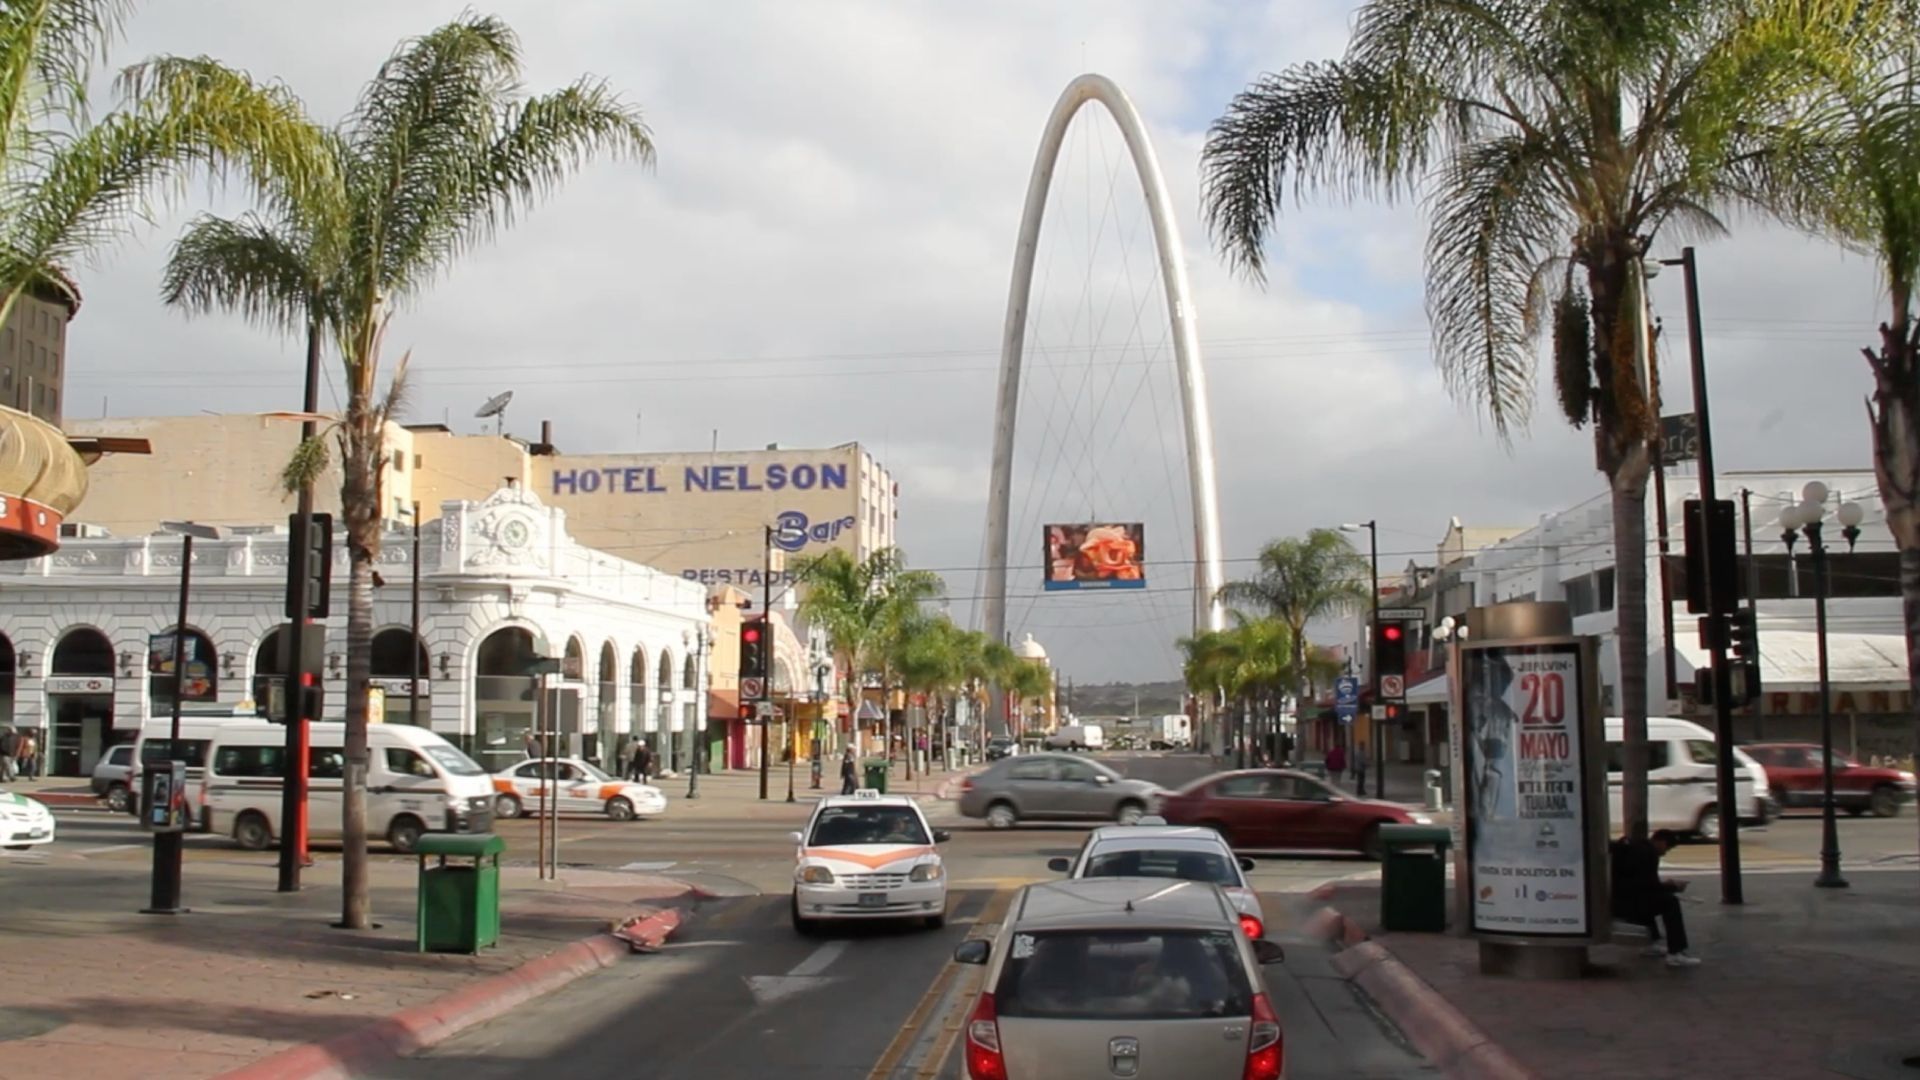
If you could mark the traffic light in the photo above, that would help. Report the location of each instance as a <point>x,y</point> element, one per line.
<point>1743,650</point>
<point>318,536</point>
<point>1713,544</point>
<point>753,649</point>
<point>1390,649</point>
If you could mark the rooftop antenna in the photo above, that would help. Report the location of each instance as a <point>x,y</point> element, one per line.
<point>496,406</point>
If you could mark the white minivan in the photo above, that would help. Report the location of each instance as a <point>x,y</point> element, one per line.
<point>154,747</point>
<point>417,782</point>
<point>1681,792</point>
<point>1077,737</point>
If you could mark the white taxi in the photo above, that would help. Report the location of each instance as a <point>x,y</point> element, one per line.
<point>580,787</point>
<point>24,822</point>
<point>868,856</point>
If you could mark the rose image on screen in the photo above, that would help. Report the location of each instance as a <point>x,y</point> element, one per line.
<point>1098,555</point>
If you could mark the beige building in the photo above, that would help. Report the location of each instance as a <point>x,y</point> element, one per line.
<point>702,516</point>
<point>33,350</point>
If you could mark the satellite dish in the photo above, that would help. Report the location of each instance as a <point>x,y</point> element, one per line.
<point>496,406</point>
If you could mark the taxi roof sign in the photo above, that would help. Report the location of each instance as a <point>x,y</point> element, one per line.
<point>866,793</point>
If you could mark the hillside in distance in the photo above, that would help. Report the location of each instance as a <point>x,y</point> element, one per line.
<point>1117,699</point>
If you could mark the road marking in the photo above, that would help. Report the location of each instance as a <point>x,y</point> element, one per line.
<point>802,977</point>
<point>84,852</point>
<point>822,959</point>
<point>649,866</point>
<point>950,996</point>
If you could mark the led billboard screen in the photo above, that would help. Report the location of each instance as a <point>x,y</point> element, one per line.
<point>1097,555</point>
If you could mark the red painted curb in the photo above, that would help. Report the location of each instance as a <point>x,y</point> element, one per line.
<point>1328,924</point>
<point>649,931</point>
<point>67,798</point>
<point>1443,1034</point>
<point>418,1027</point>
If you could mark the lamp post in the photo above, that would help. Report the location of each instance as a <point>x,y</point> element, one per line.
<point>1373,661</point>
<point>168,840</point>
<point>413,658</point>
<point>1806,518</point>
<point>702,675</point>
<point>1453,634</point>
<point>820,672</point>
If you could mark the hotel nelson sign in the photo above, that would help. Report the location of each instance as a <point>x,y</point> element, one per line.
<point>794,529</point>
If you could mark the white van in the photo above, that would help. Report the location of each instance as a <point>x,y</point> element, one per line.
<point>1681,792</point>
<point>1077,737</point>
<point>416,782</point>
<point>154,746</point>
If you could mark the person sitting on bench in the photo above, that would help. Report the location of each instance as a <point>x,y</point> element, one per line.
<point>1642,896</point>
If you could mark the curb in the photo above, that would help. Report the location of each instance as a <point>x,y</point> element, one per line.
<point>68,799</point>
<point>418,1027</point>
<point>1441,1033</point>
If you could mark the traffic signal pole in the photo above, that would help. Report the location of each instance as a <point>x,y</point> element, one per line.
<point>766,627</point>
<point>293,791</point>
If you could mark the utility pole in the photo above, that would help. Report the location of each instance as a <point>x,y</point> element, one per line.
<point>413,658</point>
<point>293,791</point>
<point>1753,595</point>
<point>1718,607</point>
<point>761,712</point>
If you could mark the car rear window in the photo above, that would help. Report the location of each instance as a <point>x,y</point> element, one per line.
<point>1124,975</point>
<point>838,825</point>
<point>1188,865</point>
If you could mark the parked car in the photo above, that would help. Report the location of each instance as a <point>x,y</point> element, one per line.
<point>1284,809</point>
<point>1153,849</point>
<point>1089,980</point>
<point>110,777</point>
<point>1795,776</point>
<point>24,822</point>
<point>581,789</point>
<point>1053,787</point>
<point>1682,792</point>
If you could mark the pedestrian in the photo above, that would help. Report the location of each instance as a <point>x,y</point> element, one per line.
<point>848,777</point>
<point>1642,896</point>
<point>29,756</point>
<point>1360,772</point>
<point>9,748</point>
<point>643,762</point>
<point>532,747</point>
<point>1336,763</point>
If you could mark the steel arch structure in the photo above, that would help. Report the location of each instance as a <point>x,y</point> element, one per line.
<point>1201,470</point>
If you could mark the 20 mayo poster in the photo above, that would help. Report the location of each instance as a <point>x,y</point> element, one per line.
<point>1525,841</point>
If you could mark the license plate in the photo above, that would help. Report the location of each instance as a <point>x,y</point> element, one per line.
<point>873,899</point>
<point>37,834</point>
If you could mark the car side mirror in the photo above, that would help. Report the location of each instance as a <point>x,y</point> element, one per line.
<point>1267,952</point>
<point>940,836</point>
<point>1060,866</point>
<point>796,838</point>
<point>975,951</point>
<point>1102,778</point>
<point>1246,864</point>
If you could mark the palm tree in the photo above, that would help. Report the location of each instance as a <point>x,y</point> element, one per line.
<point>439,153</point>
<point>1206,668</point>
<point>1552,141</point>
<point>861,604</point>
<point>1848,165</point>
<point>1298,581</point>
<point>1028,680</point>
<point>69,185</point>
<point>932,659</point>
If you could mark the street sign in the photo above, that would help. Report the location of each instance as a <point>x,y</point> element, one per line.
<point>1393,687</point>
<point>764,710</point>
<point>751,687</point>
<point>1679,438</point>
<point>1403,614</point>
<point>1346,697</point>
<point>1379,712</point>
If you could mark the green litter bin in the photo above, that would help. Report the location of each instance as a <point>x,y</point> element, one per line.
<point>459,901</point>
<point>876,774</point>
<point>1413,877</point>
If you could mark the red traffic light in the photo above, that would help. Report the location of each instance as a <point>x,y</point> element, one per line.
<point>750,635</point>
<point>1391,632</point>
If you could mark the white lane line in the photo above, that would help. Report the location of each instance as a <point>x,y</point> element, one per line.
<point>84,852</point>
<point>649,866</point>
<point>822,958</point>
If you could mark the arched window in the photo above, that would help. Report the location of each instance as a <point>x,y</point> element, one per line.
<point>503,694</point>
<point>82,651</point>
<point>390,654</point>
<point>643,719</point>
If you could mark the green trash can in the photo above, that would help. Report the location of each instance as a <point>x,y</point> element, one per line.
<point>1413,877</point>
<point>876,775</point>
<point>458,909</point>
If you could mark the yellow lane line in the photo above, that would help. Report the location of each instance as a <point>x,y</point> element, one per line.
<point>910,1032</point>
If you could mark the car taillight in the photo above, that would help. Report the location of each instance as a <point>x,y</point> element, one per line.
<point>984,1059</point>
<point>1251,927</point>
<point>1265,1056</point>
<point>966,783</point>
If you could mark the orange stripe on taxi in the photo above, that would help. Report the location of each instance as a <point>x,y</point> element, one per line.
<point>864,859</point>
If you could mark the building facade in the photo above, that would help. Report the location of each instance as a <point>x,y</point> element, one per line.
<point>702,516</point>
<point>33,351</point>
<point>86,635</point>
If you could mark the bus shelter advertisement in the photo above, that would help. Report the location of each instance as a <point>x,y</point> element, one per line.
<point>1526,842</point>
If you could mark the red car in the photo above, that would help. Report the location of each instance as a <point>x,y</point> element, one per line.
<point>1794,775</point>
<point>1272,809</point>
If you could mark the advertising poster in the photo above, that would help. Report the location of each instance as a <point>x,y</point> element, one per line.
<point>1526,838</point>
<point>1096,556</point>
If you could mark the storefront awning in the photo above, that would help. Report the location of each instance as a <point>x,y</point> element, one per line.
<point>1790,661</point>
<point>1435,691</point>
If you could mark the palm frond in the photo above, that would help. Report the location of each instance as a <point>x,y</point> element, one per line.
<point>310,459</point>
<point>244,265</point>
<point>48,51</point>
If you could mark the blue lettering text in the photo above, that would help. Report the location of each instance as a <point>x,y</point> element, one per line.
<point>833,476</point>
<point>721,476</point>
<point>746,480</point>
<point>653,480</point>
<point>776,476</point>
<point>564,483</point>
<point>589,482</point>
<point>630,480</point>
<point>804,476</point>
<point>696,478</point>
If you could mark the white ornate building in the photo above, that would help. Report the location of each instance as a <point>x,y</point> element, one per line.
<point>502,583</point>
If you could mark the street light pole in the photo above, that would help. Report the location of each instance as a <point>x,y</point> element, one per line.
<point>702,676</point>
<point>293,794</point>
<point>1807,518</point>
<point>169,841</point>
<point>413,690</point>
<point>1378,710</point>
<point>766,630</point>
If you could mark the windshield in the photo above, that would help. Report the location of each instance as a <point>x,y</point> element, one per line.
<point>841,825</point>
<point>1187,865</point>
<point>1124,975</point>
<point>593,773</point>
<point>452,760</point>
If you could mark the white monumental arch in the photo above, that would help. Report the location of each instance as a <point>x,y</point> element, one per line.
<point>1186,353</point>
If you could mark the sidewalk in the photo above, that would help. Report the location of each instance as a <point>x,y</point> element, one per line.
<point>1798,982</point>
<point>96,989</point>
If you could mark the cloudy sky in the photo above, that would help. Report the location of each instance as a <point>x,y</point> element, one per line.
<point>822,255</point>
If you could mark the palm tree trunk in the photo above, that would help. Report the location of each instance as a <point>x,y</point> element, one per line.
<point>360,505</point>
<point>1895,413</point>
<point>1630,562</point>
